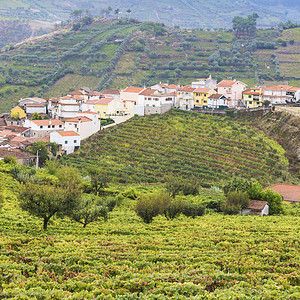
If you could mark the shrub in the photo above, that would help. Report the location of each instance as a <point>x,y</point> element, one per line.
<point>149,206</point>
<point>176,186</point>
<point>275,201</point>
<point>174,209</point>
<point>193,209</point>
<point>238,199</point>
<point>230,209</point>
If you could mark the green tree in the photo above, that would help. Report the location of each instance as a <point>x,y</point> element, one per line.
<point>149,206</point>
<point>43,151</point>
<point>275,201</point>
<point>90,209</point>
<point>99,180</point>
<point>36,116</point>
<point>44,201</point>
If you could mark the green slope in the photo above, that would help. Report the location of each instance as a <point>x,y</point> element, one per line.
<point>189,145</point>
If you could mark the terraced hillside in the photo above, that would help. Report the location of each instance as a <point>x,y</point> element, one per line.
<point>117,53</point>
<point>189,145</point>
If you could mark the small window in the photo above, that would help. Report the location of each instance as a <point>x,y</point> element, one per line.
<point>205,101</point>
<point>60,126</point>
<point>204,95</point>
<point>257,103</point>
<point>41,127</point>
<point>66,142</point>
<point>250,102</point>
<point>197,101</point>
<point>49,126</point>
<point>75,141</point>
<point>53,126</point>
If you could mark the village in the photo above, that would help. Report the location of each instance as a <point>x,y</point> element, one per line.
<point>67,120</point>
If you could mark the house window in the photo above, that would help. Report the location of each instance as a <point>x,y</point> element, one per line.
<point>204,95</point>
<point>197,101</point>
<point>49,126</point>
<point>60,126</point>
<point>257,103</point>
<point>53,126</point>
<point>250,102</point>
<point>75,141</point>
<point>66,142</point>
<point>41,127</point>
<point>249,96</point>
<point>205,101</point>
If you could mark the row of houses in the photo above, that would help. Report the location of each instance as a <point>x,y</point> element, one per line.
<point>69,119</point>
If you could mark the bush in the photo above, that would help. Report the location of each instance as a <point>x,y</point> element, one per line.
<point>174,209</point>
<point>176,186</point>
<point>238,199</point>
<point>230,209</point>
<point>275,201</point>
<point>193,209</point>
<point>149,206</point>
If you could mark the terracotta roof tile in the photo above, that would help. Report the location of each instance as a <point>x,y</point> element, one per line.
<point>257,205</point>
<point>78,119</point>
<point>105,101</point>
<point>111,92</point>
<point>147,92</point>
<point>288,191</point>
<point>202,90</point>
<point>47,122</point>
<point>132,89</point>
<point>68,133</point>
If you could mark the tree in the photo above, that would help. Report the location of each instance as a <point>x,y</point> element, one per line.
<point>245,26</point>
<point>99,181</point>
<point>44,201</point>
<point>43,151</point>
<point>90,209</point>
<point>149,206</point>
<point>117,11</point>
<point>275,201</point>
<point>36,116</point>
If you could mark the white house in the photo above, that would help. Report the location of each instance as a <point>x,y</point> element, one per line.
<point>151,101</point>
<point>256,207</point>
<point>68,109</point>
<point>82,125</point>
<point>40,128</point>
<point>31,108</point>
<point>278,94</point>
<point>217,101</point>
<point>131,93</point>
<point>185,98</point>
<point>165,88</point>
<point>205,83</point>
<point>25,101</point>
<point>69,140</point>
<point>232,90</point>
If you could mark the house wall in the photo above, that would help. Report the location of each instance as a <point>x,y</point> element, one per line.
<point>68,143</point>
<point>265,211</point>
<point>37,109</point>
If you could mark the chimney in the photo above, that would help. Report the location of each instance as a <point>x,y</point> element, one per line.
<point>50,122</point>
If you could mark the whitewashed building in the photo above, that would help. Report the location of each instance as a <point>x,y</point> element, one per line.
<point>185,98</point>
<point>41,128</point>
<point>277,94</point>
<point>69,140</point>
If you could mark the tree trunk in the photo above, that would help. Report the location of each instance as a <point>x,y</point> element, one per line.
<point>46,220</point>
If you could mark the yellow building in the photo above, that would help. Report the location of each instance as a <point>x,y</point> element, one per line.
<point>17,112</point>
<point>108,107</point>
<point>201,96</point>
<point>253,97</point>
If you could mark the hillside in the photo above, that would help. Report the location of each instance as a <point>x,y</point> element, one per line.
<point>209,257</point>
<point>195,13</point>
<point>184,144</point>
<point>117,53</point>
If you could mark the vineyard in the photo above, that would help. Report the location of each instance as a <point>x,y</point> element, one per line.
<point>183,144</point>
<point>209,257</point>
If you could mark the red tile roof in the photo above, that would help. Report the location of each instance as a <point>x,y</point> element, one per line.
<point>172,86</point>
<point>105,101</point>
<point>132,89</point>
<point>257,205</point>
<point>288,191</point>
<point>229,83</point>
<point>216,96</point>
<point>68,133</point>
<point>111,92</point>
<point>15,153</point>
<point>40,100</point>
<point>95,93</point>
<point>77,92</point>
<point>16,128</point>
<point>147,92</point>
<point>278,88</point>
<point>47,122</point>
<point>34,105</point>
<point>187,89</point>
<point>78,119</point>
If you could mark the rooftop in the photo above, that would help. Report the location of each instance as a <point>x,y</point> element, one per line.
<point>68,133</point>
<point>289,192</point>
<point>132,89</point>
<point>47,122</point>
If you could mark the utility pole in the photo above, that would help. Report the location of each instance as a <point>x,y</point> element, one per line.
<point>37,159</point>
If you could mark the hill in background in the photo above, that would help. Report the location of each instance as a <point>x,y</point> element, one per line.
<point>117,53</point>
<point>192,13</point>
